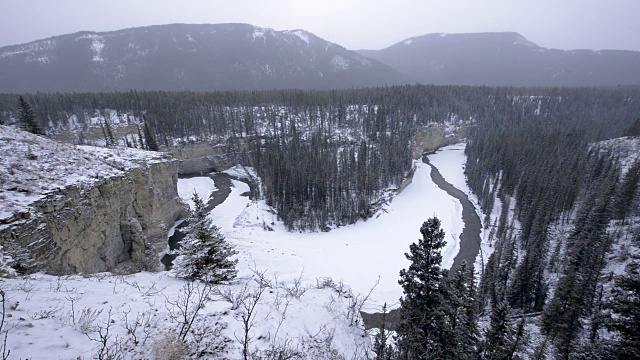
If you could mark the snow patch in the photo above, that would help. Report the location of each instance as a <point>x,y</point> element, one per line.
<point>96,46</point>
<point>340,63</point>
<point>201,185</point>
<point>408,42</point>
<point>302,35</point>
<point>626,148</point>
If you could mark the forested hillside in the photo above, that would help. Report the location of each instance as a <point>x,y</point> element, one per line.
<point>574,226</point>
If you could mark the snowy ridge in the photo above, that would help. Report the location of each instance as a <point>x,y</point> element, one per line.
<point>33,166</point>
<point>626,148</point>
<point>303,35</point>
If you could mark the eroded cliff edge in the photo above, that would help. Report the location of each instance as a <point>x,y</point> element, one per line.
<point>69,209</point>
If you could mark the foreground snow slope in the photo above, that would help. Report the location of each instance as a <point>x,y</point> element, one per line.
<point>357,254</point>
<point>41,324</point>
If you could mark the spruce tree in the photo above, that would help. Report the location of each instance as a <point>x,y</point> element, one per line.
<point>112,139</point>
<point>152,145</point>
<point>27,118</point>
<point>381,348</point>
<point>625,308</point>
<point>204,254</point>
<point>463,314</point>
<point>420,333</point>
<point>501,340</point>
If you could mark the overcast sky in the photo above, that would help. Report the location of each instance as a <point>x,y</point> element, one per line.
<point>355,24</point>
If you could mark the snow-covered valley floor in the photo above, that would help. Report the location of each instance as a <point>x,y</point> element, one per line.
<point>357,254</point>
<point>59,317</point>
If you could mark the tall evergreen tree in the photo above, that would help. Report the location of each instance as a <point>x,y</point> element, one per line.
<point>421,334</point>
<point>462,310</point>
<point>27,118</point>
<point>381,347</point>
<point>152,144</point>
<point>112,139</point>
<point>625,307</point>
<point>502,340</point>
<point>204,254</point>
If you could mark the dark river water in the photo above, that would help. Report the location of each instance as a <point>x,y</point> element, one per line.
<point>469,240</point>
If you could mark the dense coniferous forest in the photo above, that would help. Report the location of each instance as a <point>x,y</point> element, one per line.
<point>325,157</point>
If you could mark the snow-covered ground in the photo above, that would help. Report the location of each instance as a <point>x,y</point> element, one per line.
<point>60,318</point>
<point>626,148</point>
<point>357,254</point>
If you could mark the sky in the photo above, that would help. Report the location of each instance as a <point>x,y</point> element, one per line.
<point>354,24</point>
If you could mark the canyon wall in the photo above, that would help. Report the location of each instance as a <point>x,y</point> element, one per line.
<point>120,221</point>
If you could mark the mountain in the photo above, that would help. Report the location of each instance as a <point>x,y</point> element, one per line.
<point>186,57</point>
<point>505,59</point>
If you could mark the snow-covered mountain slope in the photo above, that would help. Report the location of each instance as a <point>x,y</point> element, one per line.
<point>186,57</point>
<point>626,149</point>
<point>505,59</point>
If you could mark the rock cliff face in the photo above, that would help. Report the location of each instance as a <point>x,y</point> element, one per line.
<point>117,217</point>
<point>118,222</point>
<point>204,157</point>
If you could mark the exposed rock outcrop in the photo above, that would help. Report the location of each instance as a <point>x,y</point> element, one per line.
<point>85,223</point>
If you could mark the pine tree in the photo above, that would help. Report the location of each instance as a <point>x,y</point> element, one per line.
<point>112,139</point>
<point>381,347</point>
<point>204,254</point>
<point>501,340</point>
<point>27,118</point>
<point>152,145</point>
<point>463,314</point>
<point>625,306</point>
<point>421,334</point>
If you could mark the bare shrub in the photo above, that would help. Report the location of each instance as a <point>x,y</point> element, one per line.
<point>296,289</point>
<point>108,349</point>
<point>246,317</point>
<point>87,319</point>
<point>50,312</point>
<point>184,310</point>
<point>235,298</point>
<point>140,327</point>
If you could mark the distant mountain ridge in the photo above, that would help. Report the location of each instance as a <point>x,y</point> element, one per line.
<point>186,57</point>
<point>505,58</point>
<point>245,57</point>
